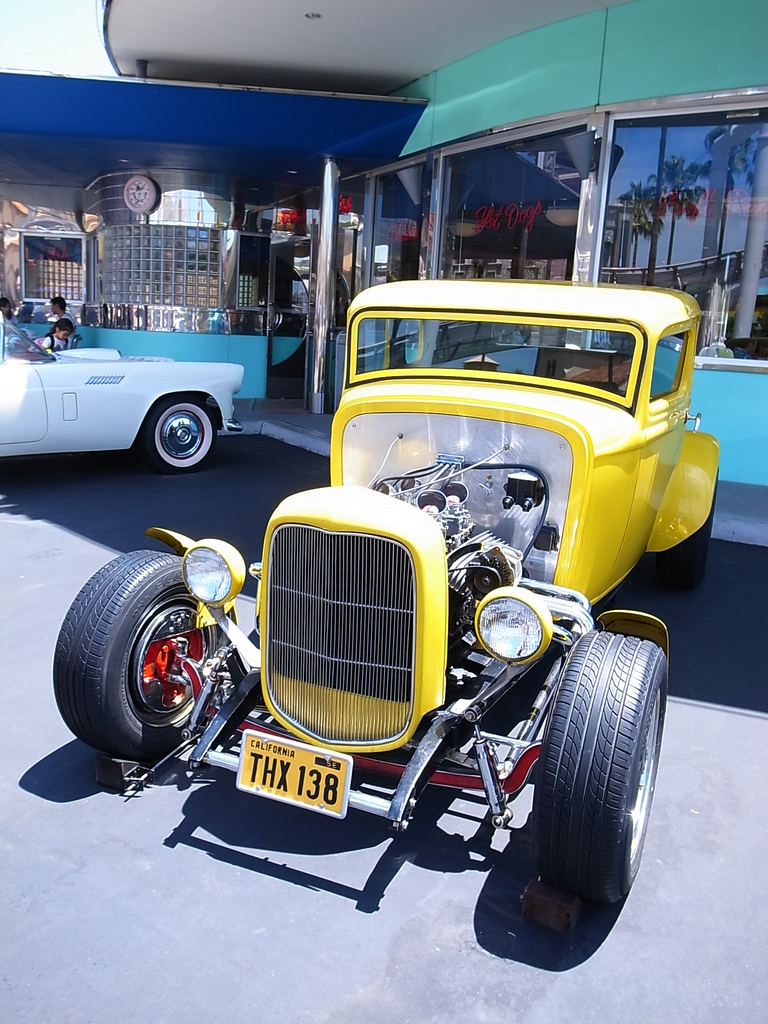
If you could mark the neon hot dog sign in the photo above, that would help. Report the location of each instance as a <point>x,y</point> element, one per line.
<point>511,216</point>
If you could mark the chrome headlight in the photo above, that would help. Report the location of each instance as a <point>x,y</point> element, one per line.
<point>213,571</point>
<point>513,625</point>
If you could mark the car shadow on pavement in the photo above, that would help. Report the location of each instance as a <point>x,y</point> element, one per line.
<point>235,829</point>
<point>716,647</point>
<point>448,835</point>
<point>112,497</point>
<point>63,776</point>
<point>240,824</point>
<point>503,932</point>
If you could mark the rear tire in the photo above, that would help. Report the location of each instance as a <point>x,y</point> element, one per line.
<point>685,565</point>
<point>597,768</point>
<point>118,678</point>
<point>178,435</point>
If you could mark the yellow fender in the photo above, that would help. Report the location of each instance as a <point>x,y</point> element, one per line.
<point>632,623</point>
<point>177,542</point>
<point>180,544</point>
<point>690,492</point>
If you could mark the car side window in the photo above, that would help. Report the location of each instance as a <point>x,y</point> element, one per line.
<point>667,364</point>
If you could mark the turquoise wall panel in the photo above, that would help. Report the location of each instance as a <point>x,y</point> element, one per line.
<point>650,48</point>
<point>191,348</point>
<point>734,407</point>
<point>550,70</point>
<point>248,350</point>
<point>657,48</point>
<point>37,330</point>
<point>284,347</point>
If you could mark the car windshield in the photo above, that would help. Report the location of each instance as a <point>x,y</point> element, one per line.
<point>598,357</point>
<point>18,347</point>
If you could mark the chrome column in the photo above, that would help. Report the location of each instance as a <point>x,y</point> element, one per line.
<point>326,283</point>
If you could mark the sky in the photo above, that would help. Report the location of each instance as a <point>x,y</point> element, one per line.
<point>60,36</point>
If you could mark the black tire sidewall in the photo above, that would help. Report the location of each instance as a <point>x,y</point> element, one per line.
<point>119,668</point>
<point>587,781</point>
<point>94,667</point>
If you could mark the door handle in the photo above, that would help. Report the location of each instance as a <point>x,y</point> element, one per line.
<point>696,420</point>
<point>274,319</point>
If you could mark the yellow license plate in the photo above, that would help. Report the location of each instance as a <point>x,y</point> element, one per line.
<point>295,772</point>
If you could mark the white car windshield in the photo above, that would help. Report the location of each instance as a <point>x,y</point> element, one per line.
<point>18,347</point>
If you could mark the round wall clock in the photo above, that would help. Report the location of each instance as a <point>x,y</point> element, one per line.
<point>141,194</point>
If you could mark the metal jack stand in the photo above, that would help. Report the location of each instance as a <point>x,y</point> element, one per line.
<point>126,777</point>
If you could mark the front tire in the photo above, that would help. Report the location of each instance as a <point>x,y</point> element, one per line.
<point>121,678</point>
<point>178,434</point>
<point>596,773</point>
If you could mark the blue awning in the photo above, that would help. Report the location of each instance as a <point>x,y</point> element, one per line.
<point>68,131</point>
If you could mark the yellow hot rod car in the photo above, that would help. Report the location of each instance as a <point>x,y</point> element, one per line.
<point>446,611</point>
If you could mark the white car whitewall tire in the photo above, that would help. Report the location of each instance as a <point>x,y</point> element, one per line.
<point>179,434</point>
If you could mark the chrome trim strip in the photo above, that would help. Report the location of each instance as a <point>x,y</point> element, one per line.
<point>731,365</point>
<point>559,593</point>
<point>367,802</point>
<point>221,760</point>
<point>689,103</point>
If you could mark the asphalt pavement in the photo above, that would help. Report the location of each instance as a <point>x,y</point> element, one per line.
<point>194,900</point>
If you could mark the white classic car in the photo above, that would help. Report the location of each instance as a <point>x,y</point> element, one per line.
<point>96,400</point>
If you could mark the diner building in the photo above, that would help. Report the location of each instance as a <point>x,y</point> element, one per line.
<point>209,204</point>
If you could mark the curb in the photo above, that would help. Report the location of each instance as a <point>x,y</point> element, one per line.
<point>289,434</point>
<point>741,531</point>
<point>297,437</point>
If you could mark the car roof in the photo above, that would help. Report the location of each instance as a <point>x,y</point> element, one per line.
<point>653,308</point>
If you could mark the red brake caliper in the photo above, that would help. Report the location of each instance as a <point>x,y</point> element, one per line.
<point>164,666</point>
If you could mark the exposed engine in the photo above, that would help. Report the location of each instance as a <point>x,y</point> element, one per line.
<point>479,561</point>
<point>474,569</point>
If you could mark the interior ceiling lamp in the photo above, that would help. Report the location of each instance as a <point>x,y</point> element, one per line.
<point>583,150</point>
<point>410,179</point>
<point>464,226</point>
<point>562,216</point>
<point>464,229</point>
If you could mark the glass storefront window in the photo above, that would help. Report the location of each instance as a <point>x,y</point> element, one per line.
<point>349,248</point>
<point>688,208</point>
<point>252,271</point>
<point>397,225</point>
<point>510,211</point>
<point>53,265</point>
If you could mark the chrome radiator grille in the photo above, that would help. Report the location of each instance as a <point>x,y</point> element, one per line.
<point>340,629</point>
